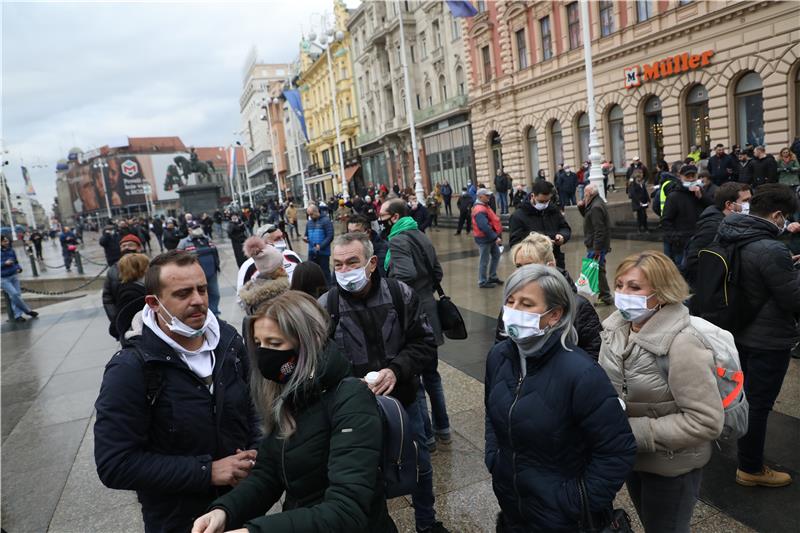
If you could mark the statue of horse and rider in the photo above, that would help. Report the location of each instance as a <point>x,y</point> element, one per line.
<point>178,174</point>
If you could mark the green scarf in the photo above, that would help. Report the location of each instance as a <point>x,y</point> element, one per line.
<point>403,224</point>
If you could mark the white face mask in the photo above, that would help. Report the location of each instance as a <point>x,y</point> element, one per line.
<point>197,232</point>
<point>745,208</point>
<point>179,328</point>
<point>633,307</point>
<point>541,207</point>
<point>280,245</point>
<point>521,325</point>
<point>353,280</point>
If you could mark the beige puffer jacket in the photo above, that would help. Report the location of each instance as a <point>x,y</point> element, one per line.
<point>674,423</point>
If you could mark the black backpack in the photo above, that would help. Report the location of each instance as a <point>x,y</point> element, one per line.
<point>332,304</point>
<point>719,296</point>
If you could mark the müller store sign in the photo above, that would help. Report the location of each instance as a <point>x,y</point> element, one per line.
<point>636,76</point>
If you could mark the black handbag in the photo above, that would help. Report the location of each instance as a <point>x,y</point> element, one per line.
<point>617,520</point>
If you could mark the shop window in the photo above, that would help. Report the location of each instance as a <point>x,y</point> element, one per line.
<point>749,110</point>
<point>522,49</point>
<point>654,136</point>
<point>574,25</point>
<point>460,81</point>
<point>496,152</point>
<point>533,153</point>
<point>616,134</point>
<point>644,10</point>
<point>547,38</point>
<point>606,18</point>
<point>487,64</point>
<point>583,138</point>
<point>557,142</point>
<point>697,119</point>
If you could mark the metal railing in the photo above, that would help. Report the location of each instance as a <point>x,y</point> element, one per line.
<point>440,108</point>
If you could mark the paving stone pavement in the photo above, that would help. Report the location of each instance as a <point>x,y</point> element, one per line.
<point>52,368</point>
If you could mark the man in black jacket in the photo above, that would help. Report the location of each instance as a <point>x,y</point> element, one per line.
<point>502,183</point>
<point>743,169</point>
<point>771,285</point>
<point>683,207</point>
<point>764,167</point>
<point>175,421</point>
<point>158,230</point>
<point>567,184</point>
<point>720,166</point>
<point>541,215</point>
<point>731,197</point>
<point>464,205</point>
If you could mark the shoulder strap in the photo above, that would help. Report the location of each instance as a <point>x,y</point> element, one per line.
<point>332,307</point>
<point>398,301</point>
<point>152,378</point>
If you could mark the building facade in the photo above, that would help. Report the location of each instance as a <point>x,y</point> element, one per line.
<point>437,78</point>
<point>668,74</point>
<point>324,174</point>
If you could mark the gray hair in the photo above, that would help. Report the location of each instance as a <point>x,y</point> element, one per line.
<point>301,319</point>
<point>557,293</point>
<point>356,236</point>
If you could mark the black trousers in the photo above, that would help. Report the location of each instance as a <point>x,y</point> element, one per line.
<point>641,218</point>
<point>464,216</point>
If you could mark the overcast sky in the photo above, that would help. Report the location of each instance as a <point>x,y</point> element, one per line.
<point>84,74</point>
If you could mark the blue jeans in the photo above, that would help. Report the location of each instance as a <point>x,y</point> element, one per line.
<point>422,498</point>
<point>67,259</point>
<point>11,286</point>
<point>489,257</point>
<point>502,202</point>
<point>432,384</point>
<point>324,262</point>
<point>213,294</point>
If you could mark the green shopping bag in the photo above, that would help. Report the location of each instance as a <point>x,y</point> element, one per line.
<point>588,282</point>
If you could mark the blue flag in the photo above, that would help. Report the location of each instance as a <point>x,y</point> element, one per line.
<point>293,97</point>
<point>462,8</point>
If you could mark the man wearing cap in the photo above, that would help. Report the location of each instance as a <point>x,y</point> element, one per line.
<point>636,163</point>
<point>274,237</point>
<point>129,244</point>
<point>683,208</point>
<point>487,230</point>
<point>205,250</point>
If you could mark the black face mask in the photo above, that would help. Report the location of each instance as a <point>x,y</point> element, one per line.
<point>386,225</point>
<point>276,365</point>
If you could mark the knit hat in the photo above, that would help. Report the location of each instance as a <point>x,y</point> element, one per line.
<point>266,257</point>
<point>130,237</point>
<point>483,192</point>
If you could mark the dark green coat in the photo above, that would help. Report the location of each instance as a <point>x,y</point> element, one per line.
<point>328,467</point>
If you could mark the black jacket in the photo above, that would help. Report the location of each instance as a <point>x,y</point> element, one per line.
<point>164,452</point>
<point>422,217</point>
<point>638,195</point>
<point>771,283</point>
<point>328,467</point>
<point>744,171</point>
<point>680,215</point>
<point>544,431</point>
<point>596,225</point>
<point>237,232</point>
<point>548,222</point>
<point>704,233</point>
<point>465,202</point>
<point>379,246</point>
<point>171,238</point>
<point>721,168</point>
<point>110,243</point>
<point>567,182</point>
<point>110,287</point>
<point>631,168</point>
<point>764,170</point>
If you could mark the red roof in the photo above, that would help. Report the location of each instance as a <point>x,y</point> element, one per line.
<point>219,154</point>
<point>156,144</point>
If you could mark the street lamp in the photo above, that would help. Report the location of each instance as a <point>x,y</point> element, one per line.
<point>246,172</point>
<point>418,190</point>
<point>266,105</point>
<point>595,172</point>
<point>100,164</point>
<point>329,36</point>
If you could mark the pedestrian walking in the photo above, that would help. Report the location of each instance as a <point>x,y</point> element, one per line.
<point>291,220</point>
<point>10,271</point>
<point>596,236</point>
<point>69,245</point>
<point>208,225</point>
<point>487,230</point>
<point>545,462</point>
<point>640,200</point>
<point>36,239</point>
<point>319,235</point>
<point>208,256</point>
<point>237,233</point>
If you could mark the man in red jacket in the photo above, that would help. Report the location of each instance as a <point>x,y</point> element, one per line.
<point>487,230</point>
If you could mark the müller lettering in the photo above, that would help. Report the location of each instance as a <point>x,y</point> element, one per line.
<point>634,76</point>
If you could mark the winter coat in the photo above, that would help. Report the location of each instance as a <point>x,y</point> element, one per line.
<point>422,217</point>
<point>320,232</point>
<point>548,221</point>
<point>567,183</point>
<point>771,283</point>
<point>328,467</point>
<point>206,253</point>
<point>502,183</point>
<point>744,171</point>
<point>631,168</point>
<point>679,217</point>
<point>446,191</point>
<point>409,265</point>
<point>764,170</point>
<point>171,238</point>
<point>721,168</point>
<point>544,431</point>
<point>8,254</point>
<point>164,451</point>
<point>110,290</point>
<point>372,335</point>
<point>596,225</point>
<point>638,194</point>
<point>674,422</point>
<point>379,247</point>
<point>237,232</point>
<point>704,233</point>
<point>465,202</point>
<point>110,243</point>
<point>788,173</point>
<point>129,300</point>
<point>260,290</point>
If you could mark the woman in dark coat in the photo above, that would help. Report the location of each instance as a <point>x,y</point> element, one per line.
<point>553,419</point>
<point>237,232</point>
<point>323,438</point>
<point>640,199</point>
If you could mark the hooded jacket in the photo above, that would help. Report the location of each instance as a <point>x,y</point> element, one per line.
<point>559,422</point>
<point>548,221</point>
<point>674,423</point>
<point>259,290</point>
<point>9,254</point>
<point>680,216</point>
<point>328,467</point>
<point>770,282</point>
<point>704,233</point>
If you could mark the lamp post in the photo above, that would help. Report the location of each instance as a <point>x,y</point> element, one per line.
<point>246,173</point>
<point>101,164</point>
<point>595,172</point>
<point>266,105</point>
<point>326,41</point>
<point>418,190</point>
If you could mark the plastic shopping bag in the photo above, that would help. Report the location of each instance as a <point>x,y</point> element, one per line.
<point>588,282</point>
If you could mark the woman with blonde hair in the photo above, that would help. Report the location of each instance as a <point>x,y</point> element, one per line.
<point>323,438</point>
<point>537,248</point>
<point>788,168</point>
<point>673,406</point>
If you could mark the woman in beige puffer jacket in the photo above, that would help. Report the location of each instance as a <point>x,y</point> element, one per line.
<point>674,420</point>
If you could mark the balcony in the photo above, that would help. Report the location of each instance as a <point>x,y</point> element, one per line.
<point>366,137</point>
<point>352,157</point>
<point>441,108</point>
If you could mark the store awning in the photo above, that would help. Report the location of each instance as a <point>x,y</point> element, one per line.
<point>350,171</point>
<point>310,180</point>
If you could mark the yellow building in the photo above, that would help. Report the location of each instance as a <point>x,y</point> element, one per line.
<point>324,176</point>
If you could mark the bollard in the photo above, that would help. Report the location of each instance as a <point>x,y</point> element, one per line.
<point>78,262</point>
<point>33,265</point>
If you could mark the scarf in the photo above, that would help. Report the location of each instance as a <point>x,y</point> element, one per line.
<point>404,224</point>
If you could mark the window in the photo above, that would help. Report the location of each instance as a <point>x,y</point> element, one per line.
<point>533,153</point>
<point>606,18</point>
<point>481,6</point>
<point>456,27</point>
<point>487,64</point>
<point>697,119</point>
<point>558,145</point>
<point>349,110</point>
<point>442,89</point>
<point>684,2</point>
<point>573,25</point>
<point>583,138</point>
<point>428,94</point>
<point>460,80</point>
<point>343,72</point>
<point>547,40</point>
<point>522,49</point>
<point>418,106</point>
<point>749,110</point>
<point>412,55</point>
<point>437,36</point>
<point>644,10</point>
<point>423,46</point>
<point>616,133</point>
